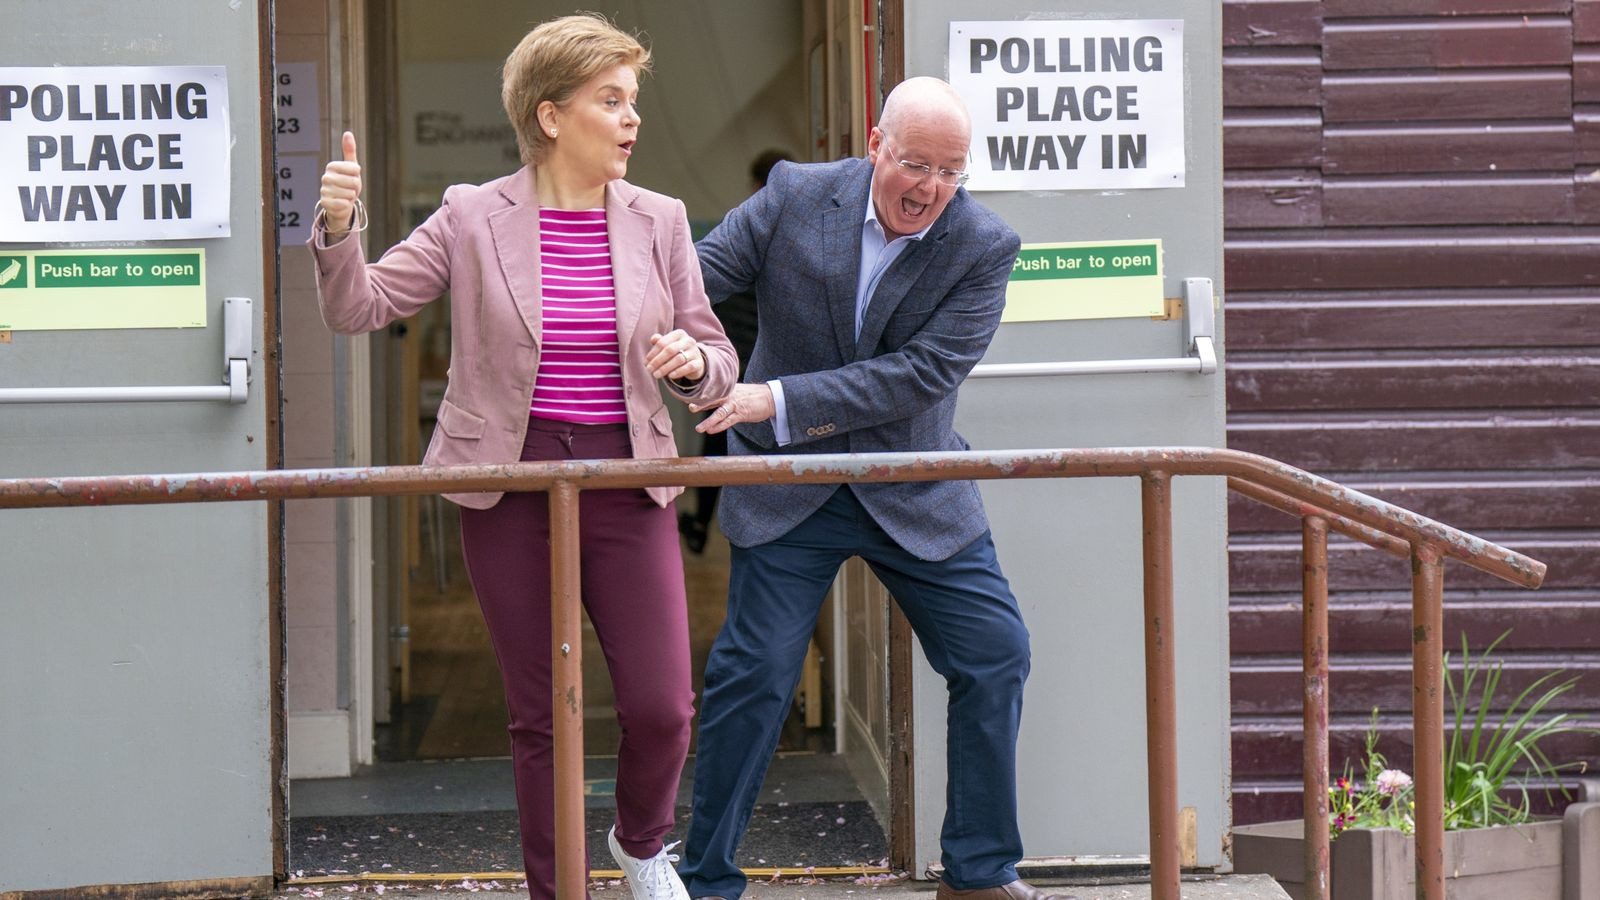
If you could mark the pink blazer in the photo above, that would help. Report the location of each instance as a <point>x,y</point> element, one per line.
<point>482,246</point>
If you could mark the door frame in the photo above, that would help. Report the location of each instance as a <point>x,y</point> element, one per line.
<point>271,382</point>
<point>366,58</point>
<point>891,70</point>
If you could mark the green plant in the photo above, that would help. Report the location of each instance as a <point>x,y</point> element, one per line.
<point>1383,799</point>
<point>1485,760</point>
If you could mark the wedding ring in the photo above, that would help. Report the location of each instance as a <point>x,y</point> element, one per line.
<point>683,356</point>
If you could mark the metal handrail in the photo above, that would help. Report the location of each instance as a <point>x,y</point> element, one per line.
<point>1300,509</point>
<point>1321,504</point>
<point>288,484</point>
<point>1314,649</point>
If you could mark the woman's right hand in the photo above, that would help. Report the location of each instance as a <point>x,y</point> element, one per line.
<point>341,186</point>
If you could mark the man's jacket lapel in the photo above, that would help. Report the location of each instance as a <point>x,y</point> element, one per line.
<point>892,289</point>
<point>841,246</point>
<point>899,279</point>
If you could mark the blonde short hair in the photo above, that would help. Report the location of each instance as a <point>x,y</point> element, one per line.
<point>555,59</point>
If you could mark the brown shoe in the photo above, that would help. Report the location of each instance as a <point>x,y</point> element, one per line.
<point>1016,890</point>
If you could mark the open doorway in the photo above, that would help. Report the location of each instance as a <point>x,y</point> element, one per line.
<point>730,82</point>
<point>727,86</point>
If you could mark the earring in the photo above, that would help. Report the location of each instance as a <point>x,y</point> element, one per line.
<point>552,132</point>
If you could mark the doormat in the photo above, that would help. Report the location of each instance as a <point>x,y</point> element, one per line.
<point>788,835</point>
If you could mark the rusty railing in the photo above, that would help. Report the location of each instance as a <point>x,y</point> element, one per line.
<point>1322,506</point>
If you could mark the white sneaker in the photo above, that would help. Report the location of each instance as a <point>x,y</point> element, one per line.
<point>649,879</point>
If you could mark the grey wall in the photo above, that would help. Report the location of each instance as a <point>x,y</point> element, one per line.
<point>1072,549</point>
<point>134,678</point>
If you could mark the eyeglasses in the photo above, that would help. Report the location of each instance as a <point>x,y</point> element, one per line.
<point>918,171</point>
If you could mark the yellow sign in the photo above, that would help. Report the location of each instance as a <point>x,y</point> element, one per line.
<point>1087,280</point>
<point>48,290</point>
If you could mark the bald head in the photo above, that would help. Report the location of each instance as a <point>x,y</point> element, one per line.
<point>927,100</point>
<point>918,153</point>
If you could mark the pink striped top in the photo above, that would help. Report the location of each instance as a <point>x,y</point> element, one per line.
<point>580,370</point>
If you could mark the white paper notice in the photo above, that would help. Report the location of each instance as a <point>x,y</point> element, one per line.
<point>299,179</point>
<point>298,106</point>
<point>1072,104</point>
<point>113,153</point>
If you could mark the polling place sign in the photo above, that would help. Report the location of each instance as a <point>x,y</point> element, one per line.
<point>1092,104</point>
<point>113,153</point>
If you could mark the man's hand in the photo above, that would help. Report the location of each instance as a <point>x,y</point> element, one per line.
<point>747,403</point>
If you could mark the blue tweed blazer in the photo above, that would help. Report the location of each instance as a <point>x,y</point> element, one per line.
<point>796,246</point>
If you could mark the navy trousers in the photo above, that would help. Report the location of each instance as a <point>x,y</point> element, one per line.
<point>971,631</point>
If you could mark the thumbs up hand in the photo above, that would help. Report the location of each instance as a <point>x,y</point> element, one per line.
<point>341,186</point>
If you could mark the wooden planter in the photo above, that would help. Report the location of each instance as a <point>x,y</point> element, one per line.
<point>1554,859</point>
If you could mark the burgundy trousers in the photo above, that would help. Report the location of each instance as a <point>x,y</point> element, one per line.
<point>632,577</point>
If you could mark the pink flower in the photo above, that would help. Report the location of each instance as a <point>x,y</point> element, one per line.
<point>1343,784</point>
<point>1392,781</point>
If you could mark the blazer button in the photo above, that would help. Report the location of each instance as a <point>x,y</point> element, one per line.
<point>634,429</point>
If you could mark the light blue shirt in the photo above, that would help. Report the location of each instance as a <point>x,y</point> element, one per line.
<point>877,254</point>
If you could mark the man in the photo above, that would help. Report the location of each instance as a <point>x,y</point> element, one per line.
<point>879,283</point>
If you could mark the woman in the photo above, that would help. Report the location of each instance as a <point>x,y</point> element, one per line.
<point>571,290</point>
